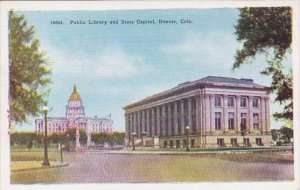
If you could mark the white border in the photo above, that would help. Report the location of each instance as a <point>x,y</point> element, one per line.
<point>122,5</point>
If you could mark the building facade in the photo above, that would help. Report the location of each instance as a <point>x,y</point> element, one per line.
<point>219,112</point>
<point>75,118</point>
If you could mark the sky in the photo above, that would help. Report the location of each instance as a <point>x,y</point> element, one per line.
<point>117,64</point>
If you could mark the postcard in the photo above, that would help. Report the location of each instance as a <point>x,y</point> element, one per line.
<point>150,95</point>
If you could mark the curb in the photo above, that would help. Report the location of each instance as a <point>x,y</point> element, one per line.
<point>41,168</point>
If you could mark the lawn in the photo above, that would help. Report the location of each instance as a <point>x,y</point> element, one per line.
<point>33,155</point>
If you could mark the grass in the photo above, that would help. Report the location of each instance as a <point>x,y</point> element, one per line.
<point>33,155</point>
<point>17,165</point>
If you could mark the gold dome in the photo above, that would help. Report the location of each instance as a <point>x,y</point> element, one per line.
<point>75,95</point>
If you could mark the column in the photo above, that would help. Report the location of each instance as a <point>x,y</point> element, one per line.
<point>169,120</point>
<point>130,126</point>
<point>225,113</point>
<point>202,119</point>
<point>250,113</point>
<point>212,114</point>
<point>153,122</point>
<point>144,129</point>
<point>158,121</point>
<point>139,124</point>
<point>127,129</point>
<point>136,124</point>
<point>182,124</point>
<point>263,115</point>
<point>147,121</point>
<point>237,114</point>
<point>175,119</point>
<point>267,103</point>
<point>197,114</point>
<point>190,122</point>
<point>163,118</point>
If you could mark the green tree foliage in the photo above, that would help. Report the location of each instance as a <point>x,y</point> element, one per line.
<point>29,70</point>
<point>287,133</point>
<point>26,140</point>
<point>261,30</point>
<point>29,140</point>
<point>274,133</point>
<point>112,139</point>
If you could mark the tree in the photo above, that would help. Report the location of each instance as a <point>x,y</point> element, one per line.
<point>274,133</point>
<point>287,133</point>
<point>261,30</point>
<point>29,70</point>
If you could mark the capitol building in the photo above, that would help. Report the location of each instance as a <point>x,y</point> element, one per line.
<point>215,112</point>
<point>75,118</point>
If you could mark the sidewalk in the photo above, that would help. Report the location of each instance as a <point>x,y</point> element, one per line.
<point>192,152</point>
<point>18,166</point>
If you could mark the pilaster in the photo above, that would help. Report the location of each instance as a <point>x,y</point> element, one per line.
<point>225,113</point>
<point>238,113</point>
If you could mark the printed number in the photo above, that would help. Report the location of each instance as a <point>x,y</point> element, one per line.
<point>56,22</point>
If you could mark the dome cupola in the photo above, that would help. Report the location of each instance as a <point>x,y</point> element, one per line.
<point>75,95</point>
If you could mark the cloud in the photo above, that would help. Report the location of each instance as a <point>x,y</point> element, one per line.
<point>111,62</point>
<point>114,61</point>
<point>215,48</point>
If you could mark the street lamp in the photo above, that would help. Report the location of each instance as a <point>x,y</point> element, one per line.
<point>46,160</point>
<point>60,147</point>
<point>68,141</point>
<point>133,145</point>
<point>187,131</point>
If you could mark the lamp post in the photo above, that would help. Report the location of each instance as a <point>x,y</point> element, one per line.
<point>187,131</point>
<point>46,160</point>
<point>68,142</point>
<point>61,146</point>
<point>133,145</point>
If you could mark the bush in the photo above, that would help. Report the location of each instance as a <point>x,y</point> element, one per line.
<point>278,143</point>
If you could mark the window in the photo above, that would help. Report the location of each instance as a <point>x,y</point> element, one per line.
<point>218,120</point>
<point>171,143</point>
<point>233,142</point>
<point>230,121</point>
<point>217,100</point>
<point>184,142</point>
<point>165,144</point>
<point>259,142</point>
<point>255,102</point>
<point>220,142</point>
<point>230,101</point>
<point>255,121</point>
<point>177,144</point>
<point>192,143</point>
<point>243,121</point>
<point>243,101</point>
<point>247,142</point>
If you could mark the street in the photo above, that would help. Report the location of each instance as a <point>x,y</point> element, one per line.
<point>101,167</point>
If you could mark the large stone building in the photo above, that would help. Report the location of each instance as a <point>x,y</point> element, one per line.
<point>75,117</point>
<point>220,112</point>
